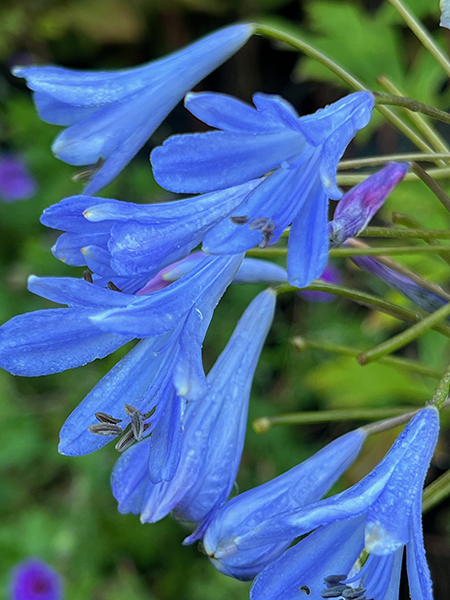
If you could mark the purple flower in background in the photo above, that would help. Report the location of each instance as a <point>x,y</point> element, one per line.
<point>296,157</point>
<point>16,182</point>
<point>32,579</point>
<point>330,275</point>
<point>360,204</point>
<point>110,115</point>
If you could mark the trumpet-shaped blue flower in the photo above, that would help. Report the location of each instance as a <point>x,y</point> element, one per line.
<point>303,154</point>
<point>153,380</point>
<point>296,488</point>
<point>214,430</point>
<point>110,115</point>
<point>360,204</point>
<point>380,515</point>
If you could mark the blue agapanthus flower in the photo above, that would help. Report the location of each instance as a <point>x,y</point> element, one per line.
<point>147,390</point>
<point>213,438</point>
<point>33,579</point>
<point>359,536</point>
<point>297,158</point>
<point>292,490</point>
<point>110,115</point>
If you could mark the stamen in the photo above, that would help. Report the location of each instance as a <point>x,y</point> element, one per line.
<point>305,589</point>
<point>112,286</point>
<point>126,441</point>
<point>105,429</point>
<point>335,592</point>
<point>90,172</point>
<point>333,580</point>
<point>354,594</point>
<point>105,418</point>
<point>239,220</point>
<point>87,276</point>
<point>137,421</point>
<point>258,223</point>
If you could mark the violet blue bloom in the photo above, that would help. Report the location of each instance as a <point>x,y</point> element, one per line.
<point>16,182</point>
<point>213,439</point>
<point>303,484</point>
<point>359,205</point>
<point>33,579</point>
<point>157,376</point>
<point>303,154</point>
<point>110,115</point>
<point>380,516</point>
<point>422,297</point>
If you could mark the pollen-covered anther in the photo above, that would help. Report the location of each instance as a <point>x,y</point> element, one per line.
<point>105,429</point>
<point>239,220</point>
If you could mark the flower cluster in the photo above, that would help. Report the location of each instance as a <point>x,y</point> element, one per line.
<point>261,170</point>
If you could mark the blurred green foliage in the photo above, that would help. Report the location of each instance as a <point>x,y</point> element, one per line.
<point>61,509</point>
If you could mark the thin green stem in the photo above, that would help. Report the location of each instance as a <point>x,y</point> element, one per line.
<point>405,337</point>
<point>397,98</point>
<point>424,36</point>
<point>432,185</point>
<point>398,232</point>
<point>437,491</point>
<point>407,221</point>
<point>350,180</point>
<point>296,42</point>
<point>412,366</point>
<point>442,390</point>
<point>365,299</point>
<point>356,163</point>
<point>263,424</point>
<point>349,252</point>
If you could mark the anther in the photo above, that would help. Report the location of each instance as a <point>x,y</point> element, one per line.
<point>305,589</point>
<point>137,421</point>
<point>126,441</point>
<point>335,592</point>
<point>354,594</point>
<point>105,418</point>
<point>112,286</point>
<point>90,172</point>
<point>239,220</point>
<point>333,580</point>
<point>105,429</point>
<point>87,276</point>
<point>258,223</point>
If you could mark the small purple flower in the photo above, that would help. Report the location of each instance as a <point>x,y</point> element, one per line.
<point>330,275</point>
<point>360,204</point>
<point>16,183</point>
<point>32,579</point>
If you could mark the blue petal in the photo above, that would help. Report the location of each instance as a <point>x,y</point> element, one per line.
<point>388,519</point>
<point>50,341</point>
<point>276,201</point>
<point>294,489</point>
<point>229,114</point>
<point>162,310</point>
<point>133,380</point>
<point>76,292</point>
<point>161,239</point>
<point>98,260</point>
<point>333,128</point>
<point>68,246</point>
<point>300,571</point>
<point>420,585</point>
<point>67,215</point>
<point>254,270</point>
<point>129,478</point>
<point>382,579</point>
<point>308,240</point>
<point>60,113</point>
<point>202,162</point>
<point>166,438</point>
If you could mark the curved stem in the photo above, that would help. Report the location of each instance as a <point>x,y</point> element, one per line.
<point>356,163</point>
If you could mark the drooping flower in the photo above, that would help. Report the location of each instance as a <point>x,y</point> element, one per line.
<point>359,536</point>
<point>214,430</point>
<point>303,154</point>
<point>359,205</point>
<point>16,182</point>
<point>292,490</point>
<point>426,299</point>
<point>33,579</point>
<point>152,381</point>
<point>110,115</point>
